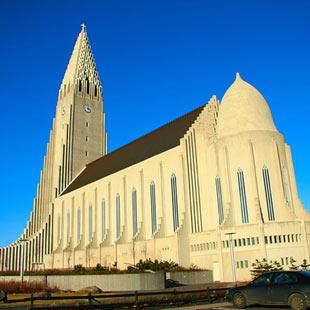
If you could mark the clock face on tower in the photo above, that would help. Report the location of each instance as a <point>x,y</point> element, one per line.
<point>87,108</point>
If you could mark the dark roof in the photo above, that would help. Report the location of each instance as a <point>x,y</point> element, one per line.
<point>153,143</point>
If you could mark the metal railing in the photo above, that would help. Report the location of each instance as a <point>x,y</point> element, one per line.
<point>137,299</point>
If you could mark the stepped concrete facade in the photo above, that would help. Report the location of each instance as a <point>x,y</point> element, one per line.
<point>215,182</point>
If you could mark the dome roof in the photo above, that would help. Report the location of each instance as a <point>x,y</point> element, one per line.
<point>243,108</point>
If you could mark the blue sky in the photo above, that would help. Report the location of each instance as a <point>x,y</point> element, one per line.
<point>157,60</point>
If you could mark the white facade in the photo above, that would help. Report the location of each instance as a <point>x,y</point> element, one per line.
<point>174,193</point>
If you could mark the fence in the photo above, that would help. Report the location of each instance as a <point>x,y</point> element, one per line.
<point>137,299</point>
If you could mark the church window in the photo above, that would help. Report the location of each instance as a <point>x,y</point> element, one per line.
<point>86,138</point>
<point>87,86</point>
<point>68,226</point>
<point>153,208</point>
<point>219,199</point>
<point>78,223</point>
<point>134,212</point>
<point>103,219</point>
<point>90,222</point>
<point>80,85</point>
<point>242,194</point>
<point>175,209</point>
<point>268,194</point>
<point>87,124</point>
<point>287,190</point>
<point>118,216</point>
<point>95,91</point>
<point>86,153</point>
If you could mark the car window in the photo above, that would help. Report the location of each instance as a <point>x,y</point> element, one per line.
<point>262,280</point>
<point>285,278</point>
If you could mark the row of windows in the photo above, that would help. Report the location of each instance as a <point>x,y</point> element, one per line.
<point>286,260</point>
<point>243,196</point>
<point>241,264</point>
<point>242,242</point>
<point>283,238</point>
<point>206,246</point>
<point>175,214</point>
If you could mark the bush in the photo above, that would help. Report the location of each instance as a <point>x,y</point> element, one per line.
<point>25,287</point>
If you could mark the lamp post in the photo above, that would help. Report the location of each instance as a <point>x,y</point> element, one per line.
<point>22,259</point>
<point>232,254</point>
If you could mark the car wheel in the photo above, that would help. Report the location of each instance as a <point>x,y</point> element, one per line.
<point>297,302</point>
<point>239,301</point>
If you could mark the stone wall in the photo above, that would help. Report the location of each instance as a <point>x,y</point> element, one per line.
<point>106,282</point>
<point>191,278</point>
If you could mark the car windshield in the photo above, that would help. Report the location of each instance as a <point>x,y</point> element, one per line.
<point>306,273</point>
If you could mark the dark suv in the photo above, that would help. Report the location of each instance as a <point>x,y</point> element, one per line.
<point>274,288</point>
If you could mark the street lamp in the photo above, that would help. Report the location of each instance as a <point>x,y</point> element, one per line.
<point>232,254</point>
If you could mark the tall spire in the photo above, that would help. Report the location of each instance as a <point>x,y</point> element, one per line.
<point>82,65</point>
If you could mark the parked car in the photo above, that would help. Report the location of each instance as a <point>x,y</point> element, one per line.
<point>290,288</point>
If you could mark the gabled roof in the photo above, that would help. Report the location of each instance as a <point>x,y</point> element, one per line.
<point>153,143</point>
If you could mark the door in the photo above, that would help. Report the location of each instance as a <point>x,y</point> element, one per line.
<point>283,284</point>
<point>216,271</point>
<point>258,291</point>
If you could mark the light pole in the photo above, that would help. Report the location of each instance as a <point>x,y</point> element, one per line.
<point>22,260</point>
<point>232,254</point>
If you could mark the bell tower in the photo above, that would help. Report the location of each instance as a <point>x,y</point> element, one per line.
<point>80,134</point>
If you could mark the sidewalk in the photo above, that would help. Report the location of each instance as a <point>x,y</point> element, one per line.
<point>220,305</point>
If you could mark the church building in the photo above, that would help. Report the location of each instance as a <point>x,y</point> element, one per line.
<point>214,188</point>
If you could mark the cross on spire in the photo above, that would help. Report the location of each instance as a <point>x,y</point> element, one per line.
<point>83,27</point>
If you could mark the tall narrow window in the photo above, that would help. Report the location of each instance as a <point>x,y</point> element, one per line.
<point>153,208</point>
<point>58,229</point>
<point>118,216</point>
<point>268,194</point>
<point>68,226</point>
<point>90,222</point>
<point>243,200</point>
<point>134,212</point>
<point>287,190</point>
<point>219,199</point>
<point>78,225</point>
<point>175,207</point>
<point>103,219</point>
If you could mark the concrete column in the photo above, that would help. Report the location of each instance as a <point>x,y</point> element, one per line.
<point>1,259</point>
<point>4,260</point>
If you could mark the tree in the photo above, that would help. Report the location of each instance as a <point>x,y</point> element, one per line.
<point>292,265</point>
<point>260,267</point>
<point>304,265</point>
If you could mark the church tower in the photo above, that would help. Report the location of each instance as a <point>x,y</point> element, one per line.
<point>77,138</point>
<point>80,121</point>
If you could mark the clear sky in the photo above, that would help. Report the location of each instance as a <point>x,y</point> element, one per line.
<point>157,60</point>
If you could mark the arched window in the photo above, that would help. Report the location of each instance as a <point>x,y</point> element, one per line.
<point>118,216</point>
<point>287,189</point>
<point>153,208</point>
<point>174,197</point>
<point>103,219</point>
<point>78,225</point>
<point>243,200</point>
<point>68,226</point>
<point>268,194</point>
<point>219,199</point>
<point>90,222</point>
<point>58,229</point>
<point>134,212</point>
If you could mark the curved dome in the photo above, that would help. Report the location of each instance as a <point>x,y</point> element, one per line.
<point>242,109</point>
